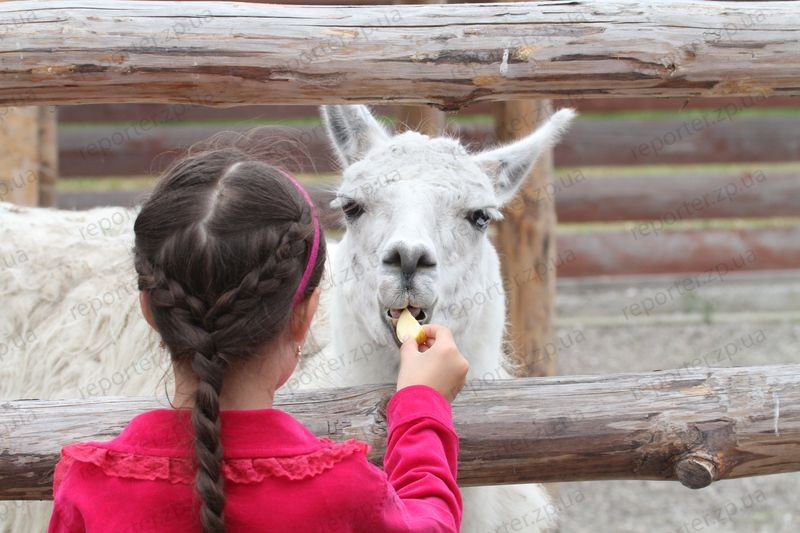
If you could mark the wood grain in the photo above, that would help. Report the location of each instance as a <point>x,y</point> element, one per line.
<point>48,156</point>
<point>526,242</point>
<point>20,157</point>
<point>227,53</point>
<point>421,118</point>
<point>741,421</point>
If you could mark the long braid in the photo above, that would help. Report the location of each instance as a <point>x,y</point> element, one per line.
<point>221,246</point>
<point>199,337</point>
<point>209,481</point>
<point>188,315</point>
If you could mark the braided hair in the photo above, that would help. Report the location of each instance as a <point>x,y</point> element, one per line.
<point>221,246</point>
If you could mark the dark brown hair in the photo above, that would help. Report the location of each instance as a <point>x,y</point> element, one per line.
<point>221,246</point>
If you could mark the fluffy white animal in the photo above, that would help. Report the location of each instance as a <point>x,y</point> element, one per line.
<point>417,211</point>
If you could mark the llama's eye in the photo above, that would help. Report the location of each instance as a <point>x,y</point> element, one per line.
<point>479,218</point>
<point>352,210</point>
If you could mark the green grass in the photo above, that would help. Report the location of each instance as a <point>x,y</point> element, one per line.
<point>676,171</point>
<point>687,114</point>
<point>239,123</point>
<point>116,183</point>
<point>252,122</point>
<point>745,111</point>
<point>696,224</point>
<point>136,183</point>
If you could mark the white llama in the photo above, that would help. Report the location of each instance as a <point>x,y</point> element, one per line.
<point>417,210</point>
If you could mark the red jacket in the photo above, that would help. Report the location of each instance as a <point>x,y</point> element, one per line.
<point>278,475</point>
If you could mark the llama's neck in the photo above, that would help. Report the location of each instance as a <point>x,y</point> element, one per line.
<point>474,311</point>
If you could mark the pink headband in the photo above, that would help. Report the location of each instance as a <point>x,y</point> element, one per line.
<point>312,258</point>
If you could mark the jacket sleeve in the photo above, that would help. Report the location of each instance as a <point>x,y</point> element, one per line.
<point>65,517</point>
<point>421,463</point>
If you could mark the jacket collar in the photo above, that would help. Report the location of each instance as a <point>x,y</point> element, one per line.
<point>245,433</point>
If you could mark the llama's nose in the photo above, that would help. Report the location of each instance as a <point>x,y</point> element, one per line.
<point>409,258</point>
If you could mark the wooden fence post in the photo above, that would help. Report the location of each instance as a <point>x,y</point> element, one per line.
<point>526,244</point>
<point>28,159</point>
<point>48,155</point>
<point>421,118</point>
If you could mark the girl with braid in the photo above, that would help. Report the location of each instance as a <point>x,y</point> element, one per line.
<point>229,256</point>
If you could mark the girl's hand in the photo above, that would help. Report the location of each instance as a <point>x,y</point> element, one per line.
<point>438,363</point>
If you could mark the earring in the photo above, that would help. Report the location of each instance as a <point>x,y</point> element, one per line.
<point>298,352</point>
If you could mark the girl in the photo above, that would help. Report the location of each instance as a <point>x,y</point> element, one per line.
<point>229,256</point>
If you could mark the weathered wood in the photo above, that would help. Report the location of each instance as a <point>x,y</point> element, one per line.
<point>152,142</point>
<point>667,198</point>
<point>735,138</point>
<point>128,112</point>
<point>48,156</point>
<point>424,119</point>
<point>712,253</point>
<point>526,239</point>
<point>224,54</point>
<point>742,421</point>
<point>587,197</point>
<point>20,156</point>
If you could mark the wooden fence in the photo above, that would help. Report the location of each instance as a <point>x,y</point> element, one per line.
<point>551,45</point>
<point>412,54</point>
<point>109,140</point>
<point>692,425</point>
<point>725,423</point>
<point>660,202</point>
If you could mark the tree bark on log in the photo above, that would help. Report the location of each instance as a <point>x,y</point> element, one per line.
<point>226,54</point>
<point>422,118</point>
<point>696,425</point>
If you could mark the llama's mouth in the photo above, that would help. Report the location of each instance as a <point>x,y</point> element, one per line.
<point>416,312</point>
<point>422,315</point>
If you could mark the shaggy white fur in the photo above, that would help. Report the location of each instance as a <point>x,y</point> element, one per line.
<point>70,322</point>
<point>71,325</point>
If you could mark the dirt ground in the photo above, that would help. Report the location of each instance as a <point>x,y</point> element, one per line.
<point>744,320</point>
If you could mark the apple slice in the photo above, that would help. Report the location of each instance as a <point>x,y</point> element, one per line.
<point>408,325</point>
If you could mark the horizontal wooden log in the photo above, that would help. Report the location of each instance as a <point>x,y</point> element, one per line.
<point>650,248</point>
<point>696,425</point>
<point>666,198</point>
<point>586,197</point>
<point>132,112</point>
<point>226,54</point>
<point>149,145</point>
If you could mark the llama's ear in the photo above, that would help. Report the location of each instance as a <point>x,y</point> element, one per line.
<point>508,165</point>
<point>352,130</point>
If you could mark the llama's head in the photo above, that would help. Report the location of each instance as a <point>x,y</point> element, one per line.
<point>417,211</point>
